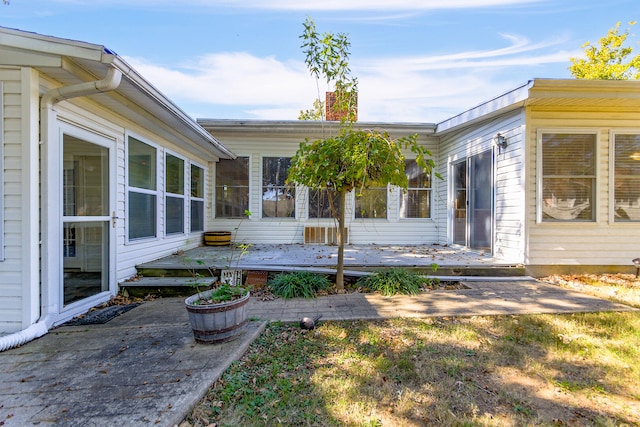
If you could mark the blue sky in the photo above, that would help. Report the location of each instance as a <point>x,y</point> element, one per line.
<point>415,60</point>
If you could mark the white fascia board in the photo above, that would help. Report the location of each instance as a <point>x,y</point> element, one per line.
<point>509,101</point>
<point>307,127</point>
<point>50,45</point>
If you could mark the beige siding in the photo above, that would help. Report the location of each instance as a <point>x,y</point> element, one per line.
<point>291,230</point>
<point>592,243</point>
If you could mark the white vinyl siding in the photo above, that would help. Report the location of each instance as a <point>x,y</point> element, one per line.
<point>508,177</point>
<point>19,236</point>
<point>1,172</point>
<point>273,230</point>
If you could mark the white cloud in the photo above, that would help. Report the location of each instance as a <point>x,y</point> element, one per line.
<point>419,88</point>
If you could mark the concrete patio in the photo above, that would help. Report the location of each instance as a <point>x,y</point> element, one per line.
<point>144,368</point>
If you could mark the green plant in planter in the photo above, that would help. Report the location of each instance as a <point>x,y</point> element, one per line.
<point>222,293</point>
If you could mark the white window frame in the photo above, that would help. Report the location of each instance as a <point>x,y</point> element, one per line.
<point>129,188</point>
<point>214,189</point>
<point>540,177</point>
<point>197,199</point>
<point>261,188</point>
<point>387,204</point>
<point>182,196</point>
<point>612,175</point>
<point>401,195</point>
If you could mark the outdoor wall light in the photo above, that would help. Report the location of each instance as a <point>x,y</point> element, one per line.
<point>501,142</point>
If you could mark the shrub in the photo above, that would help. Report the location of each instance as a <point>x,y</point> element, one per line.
<point>298,284</point>
<point>395,281</point>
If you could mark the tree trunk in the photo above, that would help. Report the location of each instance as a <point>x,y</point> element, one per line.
<point>341,239</point>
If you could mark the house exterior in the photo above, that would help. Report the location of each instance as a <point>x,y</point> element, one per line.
<point>101,172</point>
<point>547,175</point>
<point>255,181</point>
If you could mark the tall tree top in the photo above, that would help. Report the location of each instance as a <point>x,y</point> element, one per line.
<point>606,61</point>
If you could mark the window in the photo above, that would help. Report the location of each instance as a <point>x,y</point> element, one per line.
<point>278,199</point>
<point>197,198</point>
<point>142,189</point>
<point>232,187</point>
<point>320,202</point>
<point>174,197</point>
<point>372,203</point>
<point>416,201</point>
<point>568,176</point>
<point>627,178</point>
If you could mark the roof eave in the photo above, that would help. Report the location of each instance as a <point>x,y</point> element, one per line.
<point>509,101</point>
<point>307,127</point>
<point>88,53</point>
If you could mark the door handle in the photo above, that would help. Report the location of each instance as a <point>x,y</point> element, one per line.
<point>114,219</point>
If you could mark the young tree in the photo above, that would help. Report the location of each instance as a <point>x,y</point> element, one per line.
<point>354,159</point>
<point>315,113</point>
<point>607,60</point>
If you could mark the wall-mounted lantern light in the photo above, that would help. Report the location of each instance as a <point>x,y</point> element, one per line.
<point>501,142</point>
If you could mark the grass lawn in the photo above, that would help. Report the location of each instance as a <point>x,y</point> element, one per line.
<point>555,370</point>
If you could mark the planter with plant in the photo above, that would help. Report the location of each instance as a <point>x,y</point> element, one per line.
<point>218,314</point>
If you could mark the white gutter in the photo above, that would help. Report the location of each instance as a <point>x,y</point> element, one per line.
<point>109,83</point>
<point>49,225</point>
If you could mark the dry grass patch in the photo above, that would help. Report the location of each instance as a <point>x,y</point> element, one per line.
<point>622,288</point>
<point>578,369</point>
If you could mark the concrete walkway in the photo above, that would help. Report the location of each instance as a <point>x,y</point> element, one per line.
<point>143,368</point>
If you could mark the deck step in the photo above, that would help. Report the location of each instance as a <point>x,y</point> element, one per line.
<point>163,286</point>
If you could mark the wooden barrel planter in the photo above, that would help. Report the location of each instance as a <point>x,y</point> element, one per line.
<point>216,323</point>
<point>217,238</point>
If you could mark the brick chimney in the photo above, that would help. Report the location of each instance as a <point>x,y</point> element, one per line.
<point>332,114</point>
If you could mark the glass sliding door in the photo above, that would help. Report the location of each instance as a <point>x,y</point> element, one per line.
<point>480,197</point>
<point>473,202</point>
<point>460,203</point>
<point>86,220</point>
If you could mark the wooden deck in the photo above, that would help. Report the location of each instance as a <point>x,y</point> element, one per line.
<point>437,261</point>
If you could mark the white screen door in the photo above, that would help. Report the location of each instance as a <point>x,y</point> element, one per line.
<point>86,220</point>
